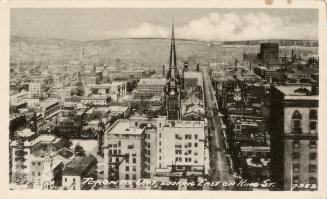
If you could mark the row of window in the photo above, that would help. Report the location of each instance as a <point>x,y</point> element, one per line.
<point>186,136</point>
<point>296,156</point>
<point>38,173</point>
<point>34,163</point>
<point>117,160</point>
<point>114,145</point>
<point>179,159</point>
<point>127,176</point>
<point>133,168</point>
<point>312,168</point>
<point>188,152</point>
<point>312,180</point>
<point>312,144</point>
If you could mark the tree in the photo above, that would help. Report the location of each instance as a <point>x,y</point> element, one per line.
<point>19,177</point>
<point>79,91</point>
<point>79,84</point>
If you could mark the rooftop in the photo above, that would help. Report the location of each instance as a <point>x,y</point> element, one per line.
<point>297,92</point>
<point>118,108</point>
<point>79,166</point>
<point>192,74</point>
<point>122,127</point>
<point>161,81</point>
<point>25,132</point>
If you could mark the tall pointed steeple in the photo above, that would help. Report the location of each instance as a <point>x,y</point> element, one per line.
<point>173,99</point>
<point>172,58</point>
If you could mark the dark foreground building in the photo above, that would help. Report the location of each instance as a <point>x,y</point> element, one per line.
<point>294,136</point>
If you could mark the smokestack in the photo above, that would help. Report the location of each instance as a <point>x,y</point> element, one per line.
<point>163,70</point>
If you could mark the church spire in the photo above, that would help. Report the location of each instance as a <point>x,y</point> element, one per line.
<point>172,57</point>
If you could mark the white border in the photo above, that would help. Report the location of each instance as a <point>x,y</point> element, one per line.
<point>4,100</point>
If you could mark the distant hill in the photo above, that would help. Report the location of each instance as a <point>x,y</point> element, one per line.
<point>147,52</point>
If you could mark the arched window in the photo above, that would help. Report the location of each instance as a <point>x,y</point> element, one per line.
<point>296,122</point>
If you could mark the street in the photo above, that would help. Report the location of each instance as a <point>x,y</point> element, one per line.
<point>219,165</point>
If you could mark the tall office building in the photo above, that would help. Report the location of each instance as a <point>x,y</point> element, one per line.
<point>294,136</point>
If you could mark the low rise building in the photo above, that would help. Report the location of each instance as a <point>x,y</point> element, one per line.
<point>74,173</point>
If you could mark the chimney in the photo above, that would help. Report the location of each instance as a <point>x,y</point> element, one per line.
<point>163,70</point>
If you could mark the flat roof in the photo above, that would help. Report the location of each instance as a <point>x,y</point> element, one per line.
<point>192,74</point>
<point>118,108</point>
<point>291,94</point>
<point>289,90</point>
<point>121,127</point>
<point>161,81</point>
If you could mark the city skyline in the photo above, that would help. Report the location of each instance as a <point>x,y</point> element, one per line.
<point>220,24</point>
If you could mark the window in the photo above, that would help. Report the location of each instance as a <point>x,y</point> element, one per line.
<point>313,156</point>
<point>178,151</point>
<point>159,143</point>
<point>296,122</point>
<point>195,144</point>
<point>313,125</point>
<point>73,179</point>
<point>115,152</point>
<point>313,144</point>
<point>176,136</point>
<point>33,163</point>
<point>119,143</point>
<point>127,160</point>
<point>127,176</point>
<point>313,114</point>
<point>296,179</point>
<point>134,160</point>
<point>312,168</point>
<point>296,156</point>
<point>39,163</point>
<point>135,123</point>
<point>134,168</point>
<point>33,173</point>
<point>296,144</point>
<point>159,135</point>
<point>296,167</point>
<point>65,179</point>
<point>127,168</point>
<point>313,180</point>
<point>196,136</point>
<point>159,150</point>
<point>134,176</point>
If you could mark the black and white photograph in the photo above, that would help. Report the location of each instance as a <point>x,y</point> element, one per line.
<point>178,99</point>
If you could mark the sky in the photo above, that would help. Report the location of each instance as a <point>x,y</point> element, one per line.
<point>84,24</point>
